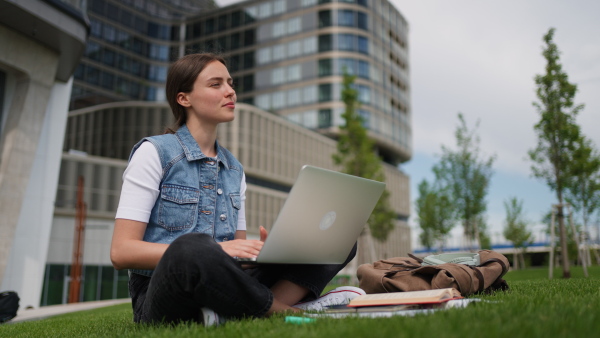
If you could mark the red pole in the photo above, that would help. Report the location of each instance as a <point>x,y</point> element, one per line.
<point>76,266</point>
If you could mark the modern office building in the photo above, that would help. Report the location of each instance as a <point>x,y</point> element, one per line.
<point>41,43</point>
<point>287,58</point>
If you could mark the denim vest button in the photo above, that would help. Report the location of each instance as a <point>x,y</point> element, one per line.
<point>223,217</point>
<point>219,191</point>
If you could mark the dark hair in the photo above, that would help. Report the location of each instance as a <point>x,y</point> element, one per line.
<point>180,79</point>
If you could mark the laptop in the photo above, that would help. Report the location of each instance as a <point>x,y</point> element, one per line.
<point>321,218</point>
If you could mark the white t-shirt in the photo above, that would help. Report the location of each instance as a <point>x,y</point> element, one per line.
<point>141,181</point>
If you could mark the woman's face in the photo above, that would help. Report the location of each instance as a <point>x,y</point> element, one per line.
<point>212,100</point>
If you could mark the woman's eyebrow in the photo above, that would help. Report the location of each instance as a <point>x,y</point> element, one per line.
<point>220,79</point>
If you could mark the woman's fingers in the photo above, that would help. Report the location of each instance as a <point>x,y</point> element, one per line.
<point>242,248</point>
<point>263,233</point>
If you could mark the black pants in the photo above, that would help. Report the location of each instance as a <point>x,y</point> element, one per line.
<point>195,272</point>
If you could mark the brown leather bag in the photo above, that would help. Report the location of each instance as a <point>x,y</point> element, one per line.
<point>406,274</point>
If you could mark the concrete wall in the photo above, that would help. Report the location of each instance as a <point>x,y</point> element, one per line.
<point>42,42</point>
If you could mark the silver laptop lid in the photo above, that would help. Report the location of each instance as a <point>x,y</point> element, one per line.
<point>321,219</point>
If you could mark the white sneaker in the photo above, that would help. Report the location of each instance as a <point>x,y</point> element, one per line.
<point>211,318</point>
<point>338,296</point>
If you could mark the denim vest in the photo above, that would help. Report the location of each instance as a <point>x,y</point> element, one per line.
<point>197,193</point>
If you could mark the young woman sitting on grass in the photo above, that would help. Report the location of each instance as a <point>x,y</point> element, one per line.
<point>181,218</point>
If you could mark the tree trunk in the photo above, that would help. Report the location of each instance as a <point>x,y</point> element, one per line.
<point>564,252</point>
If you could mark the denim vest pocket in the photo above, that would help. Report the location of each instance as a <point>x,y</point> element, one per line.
<point>236,201</point>
<point>178,208</point>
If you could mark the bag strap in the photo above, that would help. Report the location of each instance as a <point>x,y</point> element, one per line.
<point>496,260</point>
<point>415,258</point>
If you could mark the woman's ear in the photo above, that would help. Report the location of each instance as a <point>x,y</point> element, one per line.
<point>183,100</point>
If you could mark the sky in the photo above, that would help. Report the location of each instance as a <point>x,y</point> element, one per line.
<point>479,58</point>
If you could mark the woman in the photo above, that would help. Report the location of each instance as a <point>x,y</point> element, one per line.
<point>181,218</point>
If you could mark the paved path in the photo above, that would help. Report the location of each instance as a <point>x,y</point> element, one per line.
<point>53,310</point>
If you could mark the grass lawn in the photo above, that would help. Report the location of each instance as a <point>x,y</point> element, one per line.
<point>533,307</point>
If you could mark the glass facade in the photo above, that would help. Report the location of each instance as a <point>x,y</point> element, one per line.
<point>130,46</point>
<point>98,283</point>
<point>300,52</point>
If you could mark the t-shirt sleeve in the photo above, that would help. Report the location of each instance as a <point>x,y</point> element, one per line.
<point>141,181</point>
<point>241,226</point>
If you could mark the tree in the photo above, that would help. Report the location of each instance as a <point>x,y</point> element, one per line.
<point>435,212</point>
<point>583,192</point>
<point>515,229</point>
<point>557,134</point>
<point>356,154</point>
<point>466,173</point>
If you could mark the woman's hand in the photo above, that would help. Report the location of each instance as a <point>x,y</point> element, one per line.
<point>245,248</point>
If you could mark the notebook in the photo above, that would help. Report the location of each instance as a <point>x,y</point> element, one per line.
<point>321,218</point>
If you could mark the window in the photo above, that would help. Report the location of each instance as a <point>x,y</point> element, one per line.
<point>264,10</point>
<point>311,119</point>
<point>310,45</point>
<point>325,43</point>
<point>363,69</point>
<point>294,48</point>
<point>209,26</point>
<point>310,94</point>
<point>345,42</point>
<point>278,52</point>
<point>279,100</point>
<point>106,80</point>
<point>279,6</point>
<point>263,101</point>
<point>249,38</point>
<point>294,73</point>
<point>324,18</point>
<point>92,75</point>
<point>236,41</point>
<point>324,118</point>
<point>347,66</point>
<point>363,45</point>
<point>248,60</point>
<point>278,76</point>
<point>236,19</point>
<point>362,21</point>
<point>279,29</point>
<point>108,57</point>
<point>294,25</point>
<point>294,97</point>
<point>92,50</point>
<point>263,55</point>
<point>366,117</point>
<point>325,92</point>
<point>222,22</point>
<point>345,17</point>
<point>325,67</point>
<point>248,83</point>
<point>234,63</point>
<point>364,94</point>
<point>109,33</point>
<point>95,28</point>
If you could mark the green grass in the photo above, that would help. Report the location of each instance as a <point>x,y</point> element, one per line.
<point>533,307</point>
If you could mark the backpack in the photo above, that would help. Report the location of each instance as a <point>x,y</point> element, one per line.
<point>408,274</point>
<point>9,304</point>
